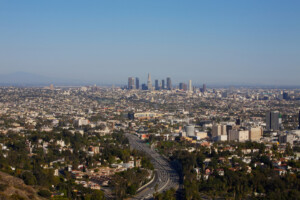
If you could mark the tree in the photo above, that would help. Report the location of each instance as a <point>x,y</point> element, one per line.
<point>97,195</point>
<point>28,178</point>
<point>45,193</point>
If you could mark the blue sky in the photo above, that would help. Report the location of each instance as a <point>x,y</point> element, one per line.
<point>230,42</point>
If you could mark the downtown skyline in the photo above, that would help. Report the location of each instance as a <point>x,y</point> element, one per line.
<point>219,43</point>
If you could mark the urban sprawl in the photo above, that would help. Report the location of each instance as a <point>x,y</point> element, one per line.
<point>150,142</point>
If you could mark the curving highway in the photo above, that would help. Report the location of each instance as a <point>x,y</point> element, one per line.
<point>165,176</point>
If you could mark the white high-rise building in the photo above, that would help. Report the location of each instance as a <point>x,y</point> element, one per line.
<point>149,83</point>
<point>190,86</point>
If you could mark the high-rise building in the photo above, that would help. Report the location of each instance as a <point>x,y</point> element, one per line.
<point>285,95</point>
<point>273,120</point>
<point>238,135</point>
<point>182,86</point>
<point>190,86</point>
<point>204,88</point>
<point>255,134</point>
<point>149,83</point>
<point>131,85</point>
<point>137,83</point>
<point>169,83</point>
<point>286,138</point>
<point>144,86</point>
<point>51,87</point>
<point>156,85</point>
<point>218,130</point>
<point>163,84</point>
<point>190,130</point>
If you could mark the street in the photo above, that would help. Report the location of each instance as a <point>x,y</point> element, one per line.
<point>165,176</point>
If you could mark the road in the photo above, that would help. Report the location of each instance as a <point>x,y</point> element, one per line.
<point>165,176</point>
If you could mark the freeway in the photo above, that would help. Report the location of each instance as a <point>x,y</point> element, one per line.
<point>166,176</point>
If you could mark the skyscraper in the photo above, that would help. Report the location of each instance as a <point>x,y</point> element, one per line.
<point>163,84</point>
<point>190,86</point>
<point>169,83</point>
<point>182,86</point>
<point>144,86</point>
<point>156,85</point>
<point>273,120</point>
<point>51,87</point>
<point>131,83</point>
<point>204,88</point>
<point>149,83</point>
<point>137,83</point>
<point>285,95</point>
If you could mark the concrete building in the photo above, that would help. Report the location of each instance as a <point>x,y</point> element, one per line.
<point>219,130</point>
<point>149,83</point>
<point>51,87</point>
<point>273,120</point>
<point>287,138</point>
<point>238,135</point>
<point>156,85</point>
<point>163,84</point>
<point>190,130</point>
<point>190,86</point>
<point>146,115</point>
<point>201,135</point>
<point>183,86</point>
<point>137,83</point>
<point>131,85</point>
<point>169,83</point>
<point>255,134</point>
<point>221,138</point>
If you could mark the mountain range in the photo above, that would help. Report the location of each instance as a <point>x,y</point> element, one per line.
<point>31,79</point>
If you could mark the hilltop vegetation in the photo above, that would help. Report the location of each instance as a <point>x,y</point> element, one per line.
<point>14,188</point>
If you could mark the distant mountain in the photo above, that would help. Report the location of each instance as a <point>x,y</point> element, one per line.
<point>29,79</point>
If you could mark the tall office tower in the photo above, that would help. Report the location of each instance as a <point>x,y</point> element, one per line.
<point>184,87</point>
<point>51,87</point>
<point>156,85</point>
<point>180,86</point>
<point>149,83</point>
<point>163,84</point>
<point>273,120</point>
<point>144,86</point>
<point>169,83</point>
<point>285,95</point>
<point>204,88</point>
<point>137,83</point>
<point>131,83</point>
<point>190,86</point>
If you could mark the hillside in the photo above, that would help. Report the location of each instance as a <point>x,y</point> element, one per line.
<point>14,188</point>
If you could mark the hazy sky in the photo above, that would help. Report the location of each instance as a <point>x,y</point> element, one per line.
<point>242,41</point>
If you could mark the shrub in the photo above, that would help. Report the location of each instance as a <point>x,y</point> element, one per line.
<point>45,193</point>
